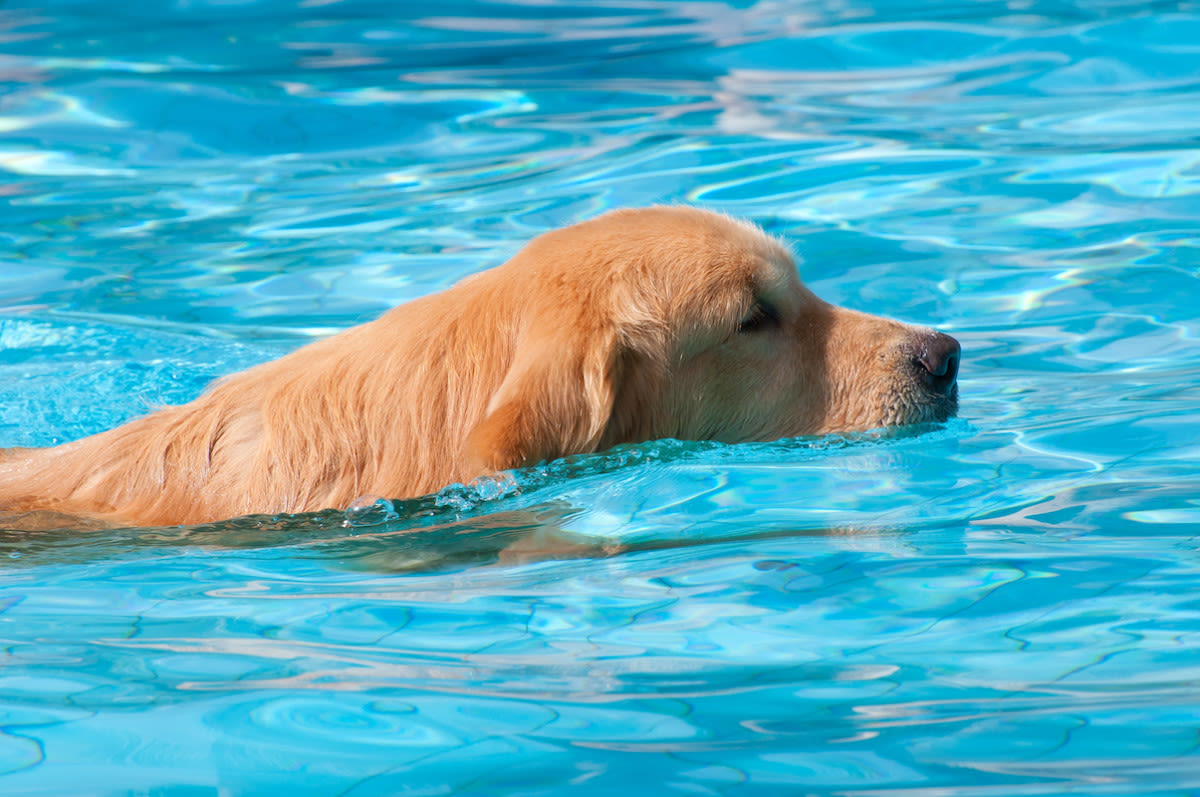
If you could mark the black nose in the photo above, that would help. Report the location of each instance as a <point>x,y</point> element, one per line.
<point>938,359</point>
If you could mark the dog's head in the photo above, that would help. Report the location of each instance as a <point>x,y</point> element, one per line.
<point>677,322</point>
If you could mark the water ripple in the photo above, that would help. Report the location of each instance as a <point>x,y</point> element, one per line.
<point>1001,605</point>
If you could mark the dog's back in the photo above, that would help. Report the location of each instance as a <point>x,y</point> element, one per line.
<point>369,411</point>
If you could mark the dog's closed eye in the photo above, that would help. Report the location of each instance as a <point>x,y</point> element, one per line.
<point>760,317</point>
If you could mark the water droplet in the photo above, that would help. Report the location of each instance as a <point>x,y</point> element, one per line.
<point>369,510</point>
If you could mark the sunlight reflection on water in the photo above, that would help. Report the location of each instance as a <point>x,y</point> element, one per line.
<point>1000,605</point>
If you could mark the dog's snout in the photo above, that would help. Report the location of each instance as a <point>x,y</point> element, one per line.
<point>938,359</point>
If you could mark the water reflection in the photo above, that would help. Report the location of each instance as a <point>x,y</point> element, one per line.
<point>1002,606</point>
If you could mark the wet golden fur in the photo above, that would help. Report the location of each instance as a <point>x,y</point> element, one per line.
<point>636,325</point>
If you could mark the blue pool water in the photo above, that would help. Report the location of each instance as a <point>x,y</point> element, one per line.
<point>1005,605</point>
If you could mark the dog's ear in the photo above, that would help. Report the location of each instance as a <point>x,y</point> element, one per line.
<point>555,400</point>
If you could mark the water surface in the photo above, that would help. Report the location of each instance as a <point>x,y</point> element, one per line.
<point>1001,605</point>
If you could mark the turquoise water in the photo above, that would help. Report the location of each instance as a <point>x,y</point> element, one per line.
<point>1004,605</point>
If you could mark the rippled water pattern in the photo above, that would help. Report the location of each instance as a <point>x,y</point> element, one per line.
<point>1005,605</point>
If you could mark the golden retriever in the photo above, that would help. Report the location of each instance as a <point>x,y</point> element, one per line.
<point>639,324</point>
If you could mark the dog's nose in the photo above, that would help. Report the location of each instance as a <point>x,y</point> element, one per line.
<point>938,358</point>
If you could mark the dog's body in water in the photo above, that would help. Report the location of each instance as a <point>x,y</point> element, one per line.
<point>664,322</point>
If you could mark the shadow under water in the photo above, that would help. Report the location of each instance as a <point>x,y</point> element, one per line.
<point>507,537</point>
